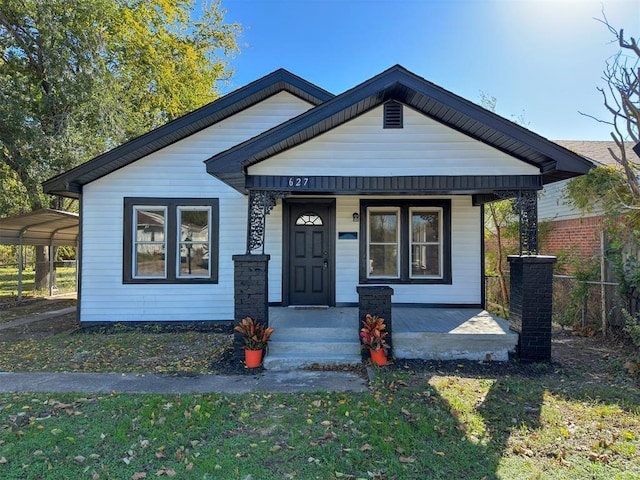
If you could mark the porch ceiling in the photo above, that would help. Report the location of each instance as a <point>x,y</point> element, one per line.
<point>434,185</point>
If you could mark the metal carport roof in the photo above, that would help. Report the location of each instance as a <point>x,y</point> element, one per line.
<point>45,227</point>
<point>41,227</point>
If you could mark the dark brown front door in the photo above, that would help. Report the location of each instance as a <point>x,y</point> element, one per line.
<point>310,253</point>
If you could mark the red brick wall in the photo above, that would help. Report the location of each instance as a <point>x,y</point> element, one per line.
<point>580,238</point>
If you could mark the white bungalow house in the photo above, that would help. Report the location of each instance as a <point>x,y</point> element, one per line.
<point>280,194</point>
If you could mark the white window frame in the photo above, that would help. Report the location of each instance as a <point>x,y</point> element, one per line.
<point>374,210</point>
<point>179,241</point>
<point>411,243</point>
<point>135,242</point>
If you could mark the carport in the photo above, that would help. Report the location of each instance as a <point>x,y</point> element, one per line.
<point>45,227</point>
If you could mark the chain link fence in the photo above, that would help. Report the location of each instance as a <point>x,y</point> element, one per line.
<point>583,305</point>
<point>64,280</point>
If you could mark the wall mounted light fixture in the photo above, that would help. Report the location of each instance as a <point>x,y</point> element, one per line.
<point>356,217</point>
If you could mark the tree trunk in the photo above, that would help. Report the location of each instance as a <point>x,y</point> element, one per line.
<point>499,260</point>
<point>42,268</point>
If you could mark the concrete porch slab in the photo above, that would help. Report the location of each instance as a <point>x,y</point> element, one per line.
<point>303,336</point>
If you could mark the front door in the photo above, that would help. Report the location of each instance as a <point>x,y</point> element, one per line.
<point>309,274</point>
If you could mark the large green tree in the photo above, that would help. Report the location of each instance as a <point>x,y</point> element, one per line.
<point>78,78</point>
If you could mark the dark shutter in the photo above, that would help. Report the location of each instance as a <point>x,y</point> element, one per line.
<point>392,115</point>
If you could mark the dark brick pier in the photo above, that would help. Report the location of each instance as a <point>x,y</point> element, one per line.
<point>375,300</point>
<point>530,305</point>
<point>250,284</point>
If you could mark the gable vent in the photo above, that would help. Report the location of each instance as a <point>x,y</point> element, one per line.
<point>392,115</point>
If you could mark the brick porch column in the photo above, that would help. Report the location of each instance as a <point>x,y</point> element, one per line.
<point>530,305</point>
<point>251,295</point>
<point>375,300</point>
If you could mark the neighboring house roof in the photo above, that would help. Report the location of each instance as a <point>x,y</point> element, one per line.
<point>397,83</point>
<point>70,182</point>
<point>596,151</point>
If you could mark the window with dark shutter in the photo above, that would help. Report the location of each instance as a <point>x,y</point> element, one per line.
<point>392,115</point>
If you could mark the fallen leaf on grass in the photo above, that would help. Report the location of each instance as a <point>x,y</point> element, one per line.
<point>3,460</point>
<point>169,472</point>
<point>138,476</point>
<point>407,459</point>
<point>632,367</point>
<point>523,451</point>
<point>365,447</point>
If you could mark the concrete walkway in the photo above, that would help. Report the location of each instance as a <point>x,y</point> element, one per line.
<point>271,382</point>
<point>36,317</point>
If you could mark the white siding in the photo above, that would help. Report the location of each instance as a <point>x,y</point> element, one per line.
<point>466,249</point>
<point>175,171</point>
<point>362,147</point>
<point>553,206</point>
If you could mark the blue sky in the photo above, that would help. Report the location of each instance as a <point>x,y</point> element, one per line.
<point>541,59</point>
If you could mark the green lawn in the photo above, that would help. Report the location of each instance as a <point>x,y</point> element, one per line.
<point>550,423</point>
<point>577,418</point>
<point>65,282</point>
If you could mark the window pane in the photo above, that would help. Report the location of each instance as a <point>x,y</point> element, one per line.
<point>195,224</point>
<point>309,219</point>
<point>425,227</point>
<point>150,225</point>
<point>194,242</point>
<point>383,261</point>
<point>149,260</point>
<point>425,260</point>
<point>383,227</point>
<point>194,260</point>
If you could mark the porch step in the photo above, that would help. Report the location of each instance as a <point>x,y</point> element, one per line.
<point>303,338</point>
<point>293,361</point>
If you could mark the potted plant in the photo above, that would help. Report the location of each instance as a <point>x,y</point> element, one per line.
<point>372,335</point>
<point>255,336</point>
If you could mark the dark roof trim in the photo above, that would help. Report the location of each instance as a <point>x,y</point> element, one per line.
<point>466,184</point>
<point>397,83</point>
<point>70,183</point>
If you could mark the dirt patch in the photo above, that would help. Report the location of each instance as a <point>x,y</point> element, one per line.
<point>39,329</point>
<point>10,312</point>
<point>570,352</point>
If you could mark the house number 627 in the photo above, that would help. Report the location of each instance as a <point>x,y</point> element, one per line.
<point>298,181</point>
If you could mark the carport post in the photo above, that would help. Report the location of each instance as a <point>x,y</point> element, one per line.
<point>20,266</point>
<point>51,266</point>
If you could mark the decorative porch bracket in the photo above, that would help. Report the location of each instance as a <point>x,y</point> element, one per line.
<point>261,202</point>
<point>525,205</point>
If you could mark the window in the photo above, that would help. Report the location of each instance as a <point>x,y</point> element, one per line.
<point>426,248</point>
<point>170,240</point>
<point>384,238</point>
<point>405,241</point>
<point>309,219</point>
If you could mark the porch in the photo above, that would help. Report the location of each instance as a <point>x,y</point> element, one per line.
<point>308,335</point>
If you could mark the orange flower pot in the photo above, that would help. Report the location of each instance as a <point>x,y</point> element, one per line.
<point>252,358</point>
<point>379,357</point>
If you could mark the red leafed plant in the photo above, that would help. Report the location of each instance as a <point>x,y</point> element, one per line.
<point>255,334</point>
<point>373,332</point>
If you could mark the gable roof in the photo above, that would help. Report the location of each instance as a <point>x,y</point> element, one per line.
<point>70,182</point>
<point>397,83</point>
<point>595,150</point>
